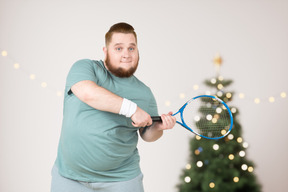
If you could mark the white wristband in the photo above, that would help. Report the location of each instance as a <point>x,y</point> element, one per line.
<point>128,108</point>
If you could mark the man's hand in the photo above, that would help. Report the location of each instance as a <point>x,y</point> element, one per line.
<point>141,118</point>
<point>156,130</point>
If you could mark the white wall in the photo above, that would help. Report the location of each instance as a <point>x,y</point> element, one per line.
<point>177,41</point>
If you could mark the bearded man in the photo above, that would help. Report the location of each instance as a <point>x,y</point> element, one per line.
<point>105,106</point>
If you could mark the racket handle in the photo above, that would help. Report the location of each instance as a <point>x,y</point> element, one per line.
<point>156,119</point>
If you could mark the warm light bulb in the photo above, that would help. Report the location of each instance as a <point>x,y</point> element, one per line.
<point>223,132</point>
<point>212,185</point>
<point>257,100</point>
<point>233,110</point>
<point>245,145</point>
<point>236,179</point>
<point>197,137</point>
<point>32,76</point>
<point>250,169</point>
<point>182,95</point>
<point>271,99</point>
<point>44,84</point>
<point>16,66</point>
<point>283,95</point>
<point>241,95</point>
<point>230,136</point>
<point>231,156</point>
<point>4,53</point>
<point>213,81</point>
<point>228,95</point>
<point>167,103</point>
<point>196,87</point>
<point>188,166</point>
<point>239,140</point>
<point>59,93</point>
<point>220,86</point>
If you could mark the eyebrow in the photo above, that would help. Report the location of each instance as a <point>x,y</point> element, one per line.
<point>117,44</point>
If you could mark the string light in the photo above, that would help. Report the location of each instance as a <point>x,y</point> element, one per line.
<point>257,100</point>
<point>231,157</point>
<point>215,147</point>
<point>239,139</point>
<point>182,95</point>
<point>16,66</point>
<point>220,86</point>
<point>244,167</point>
<point>236,179</point>
<point>199,163</point>
<point>187,179</point>
<point>44,84</point>
<point>4,53</point>
<point>212,185</point>
<point>188,166</point>
<point>242,153</point>
<point>250,169</point>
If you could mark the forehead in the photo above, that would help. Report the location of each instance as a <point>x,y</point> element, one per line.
<point>123,38</point>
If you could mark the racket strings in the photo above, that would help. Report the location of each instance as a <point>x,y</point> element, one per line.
<point>208,117</point>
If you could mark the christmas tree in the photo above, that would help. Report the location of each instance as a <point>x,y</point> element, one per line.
<point>219,165</point>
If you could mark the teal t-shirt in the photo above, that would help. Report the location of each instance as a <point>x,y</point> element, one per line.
<point>98,146</point>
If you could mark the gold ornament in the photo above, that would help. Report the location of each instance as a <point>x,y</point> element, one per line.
<point>217,60</point>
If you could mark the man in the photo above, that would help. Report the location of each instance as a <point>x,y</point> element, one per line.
<point>105,106</point>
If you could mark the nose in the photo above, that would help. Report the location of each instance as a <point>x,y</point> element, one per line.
<point>126,53</point>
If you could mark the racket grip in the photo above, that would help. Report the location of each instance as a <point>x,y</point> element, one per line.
<point>156,119</point>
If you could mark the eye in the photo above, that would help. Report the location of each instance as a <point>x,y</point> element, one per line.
<point>118,48</point>
<point>131,49</point>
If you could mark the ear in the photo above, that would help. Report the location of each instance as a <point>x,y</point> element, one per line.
<point>105,53</point>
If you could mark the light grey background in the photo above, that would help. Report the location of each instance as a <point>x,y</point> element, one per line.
<point>177,42</point>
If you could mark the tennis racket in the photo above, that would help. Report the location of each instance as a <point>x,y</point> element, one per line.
<point>206,116</point>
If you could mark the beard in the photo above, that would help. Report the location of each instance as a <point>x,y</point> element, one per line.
<point>119,71</point>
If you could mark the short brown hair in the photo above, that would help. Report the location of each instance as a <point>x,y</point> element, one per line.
<point>119,28</point>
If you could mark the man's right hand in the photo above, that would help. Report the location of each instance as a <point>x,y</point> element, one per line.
<point>141,118</point>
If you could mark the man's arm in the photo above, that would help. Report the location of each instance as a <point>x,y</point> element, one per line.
<point>154,132</point>
<point>102,99</point>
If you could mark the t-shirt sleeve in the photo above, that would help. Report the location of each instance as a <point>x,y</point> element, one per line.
<point>80,71</point>
<point>153,109</point>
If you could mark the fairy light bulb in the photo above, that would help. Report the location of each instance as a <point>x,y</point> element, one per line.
<point>187,179</point>
<point>199,163</point>
<point>182,95</point>
<point>244,167</point>
<point>271,99</point>
<point>44,84</point>
<point>220,86</point>
<point>230,136</point>
<point>242,153</point>
<point>215,147</point>
<point>4,53</point>
<point>188,166</point>
<point>228,95</point>
<point>212,185</point>
<point>197,137</point>
<point>241,95</point>
<point>283,95</point>
<point>32,76</point>
<point>250,169</point>
<point>16,66</point>
<point>236,179</point>
<point>213,81</point>
<point>231,157</point>
<point>257,100</point>
<point>239,140</point>
<point>196,87</point>
<point>167,103</point>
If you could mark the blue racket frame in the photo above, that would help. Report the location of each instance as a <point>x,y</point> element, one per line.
<point>183,124</point>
